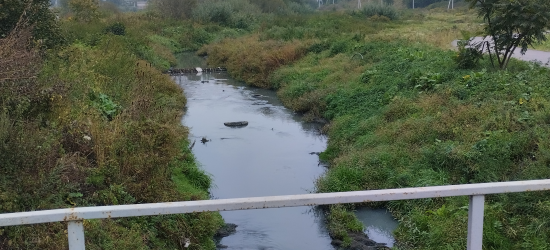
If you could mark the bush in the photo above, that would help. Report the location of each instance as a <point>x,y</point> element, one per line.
<point>34,14</point>
<point>84,10</point>
<point>468,56</point>
<point>117,28</point>
<point>175,9</point>
<point>300,8</point>
<point>371,10</point>
<point>233,13</point>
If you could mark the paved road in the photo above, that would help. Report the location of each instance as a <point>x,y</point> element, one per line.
<point>530,55</point>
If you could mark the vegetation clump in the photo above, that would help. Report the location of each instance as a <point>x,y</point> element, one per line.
<point>380,10</point>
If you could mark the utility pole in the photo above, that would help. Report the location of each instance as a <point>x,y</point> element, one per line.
<point>359,4</point>
<point>413,4</point>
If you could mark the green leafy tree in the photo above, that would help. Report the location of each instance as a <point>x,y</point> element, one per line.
<point>513,23</point>
<point>31,13</point>
<point>84,10</point>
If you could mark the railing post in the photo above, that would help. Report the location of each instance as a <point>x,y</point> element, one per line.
<point>75,231</point>
<point>475,222</point>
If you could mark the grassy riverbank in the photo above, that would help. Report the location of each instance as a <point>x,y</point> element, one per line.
<point>95,122</point>
<point>402,114</point>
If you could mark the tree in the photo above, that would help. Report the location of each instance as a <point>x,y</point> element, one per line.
<point>84,10</point>
<point>513,23</point>
<point>36,14</point>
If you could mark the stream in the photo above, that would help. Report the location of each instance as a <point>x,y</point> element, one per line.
<point>274,155</point>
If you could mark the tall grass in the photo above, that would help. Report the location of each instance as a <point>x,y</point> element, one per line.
<point>234,54</point>
<point>234,13</point>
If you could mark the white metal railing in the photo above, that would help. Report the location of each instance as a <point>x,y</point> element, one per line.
<point>477,192</point>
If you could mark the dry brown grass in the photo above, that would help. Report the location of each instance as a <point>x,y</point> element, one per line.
<point>20,60</point>
<point>234,54</point>
<point>437,27</point>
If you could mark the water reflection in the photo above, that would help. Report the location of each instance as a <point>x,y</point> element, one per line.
<point>379,224</point>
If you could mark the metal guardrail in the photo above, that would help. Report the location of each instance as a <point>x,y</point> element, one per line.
<point>477,192</point>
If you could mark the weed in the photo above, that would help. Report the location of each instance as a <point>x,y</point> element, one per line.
<point>105,105</point>
<point>117,28</point>
<point>469,54</point>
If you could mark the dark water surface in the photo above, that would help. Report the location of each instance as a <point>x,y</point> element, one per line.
<point>379,224</point>
<point>270,156</point>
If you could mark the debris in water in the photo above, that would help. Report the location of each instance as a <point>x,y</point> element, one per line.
<point>236,124</point>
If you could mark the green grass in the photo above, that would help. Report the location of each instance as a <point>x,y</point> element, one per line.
<point>405,115</point>
<point>543,46</point>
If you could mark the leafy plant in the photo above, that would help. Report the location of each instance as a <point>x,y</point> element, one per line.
<point>468,55</point>
<point>427,81</point>
<point>105,105</point>
<point>117,28</point>
<point>85,10</point>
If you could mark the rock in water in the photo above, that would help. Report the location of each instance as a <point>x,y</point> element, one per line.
<point>236,124</point>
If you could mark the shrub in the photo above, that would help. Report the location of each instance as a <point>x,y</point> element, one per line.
<point>84,10</point>
<point>340,46</point>
<point>300,8</point>
<point>233,13</point>
<point>105,105</point>
<point>468,56</point>
<point>175,9</point>
<point>371,10</point>
<point>117,28</point>
<point>35,14</point>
